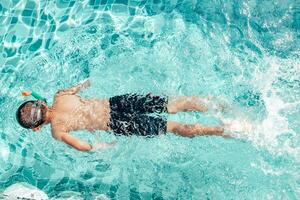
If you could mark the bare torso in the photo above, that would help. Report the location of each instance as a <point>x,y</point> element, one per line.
<point>71,113</point>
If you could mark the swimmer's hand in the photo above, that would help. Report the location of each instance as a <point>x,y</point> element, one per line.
<point>73,90</point>
<point>85,83</point>
<point>102,145</point>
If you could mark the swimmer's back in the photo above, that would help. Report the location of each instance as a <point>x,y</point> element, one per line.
<point>71,112</point>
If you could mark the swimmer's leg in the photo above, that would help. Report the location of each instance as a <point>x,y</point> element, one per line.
<point>191,130</point>
<point>186,103</point>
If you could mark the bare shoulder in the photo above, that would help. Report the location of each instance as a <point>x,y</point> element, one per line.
<point>60,93</point>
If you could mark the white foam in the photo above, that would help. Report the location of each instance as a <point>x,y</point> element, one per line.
<point>4,151</point>
<point>268,130</point>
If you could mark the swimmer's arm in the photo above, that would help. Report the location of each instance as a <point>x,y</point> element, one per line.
<point>75,89</point>
<point>82,145</point>
<point>76,143</point>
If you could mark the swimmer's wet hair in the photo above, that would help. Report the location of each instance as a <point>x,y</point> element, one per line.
<point>23,115</point>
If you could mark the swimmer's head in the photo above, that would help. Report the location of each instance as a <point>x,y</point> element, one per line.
<point>32,114</point>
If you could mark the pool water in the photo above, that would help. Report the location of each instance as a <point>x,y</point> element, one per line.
<point>245,54</point>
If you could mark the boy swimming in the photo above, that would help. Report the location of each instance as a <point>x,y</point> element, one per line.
<point>129,114</point>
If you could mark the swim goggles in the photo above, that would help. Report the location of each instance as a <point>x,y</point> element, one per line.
<point>36,112</point>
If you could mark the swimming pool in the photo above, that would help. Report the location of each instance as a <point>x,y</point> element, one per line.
<point>244,53</point>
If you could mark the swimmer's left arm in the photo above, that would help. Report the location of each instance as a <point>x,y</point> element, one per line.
<point>75,89</point>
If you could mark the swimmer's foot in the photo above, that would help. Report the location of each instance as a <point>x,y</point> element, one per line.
<point>237,126</point>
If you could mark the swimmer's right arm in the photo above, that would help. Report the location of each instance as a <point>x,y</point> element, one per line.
<point>76,143</point>
<point>73,90</point>
<point>82,145</point>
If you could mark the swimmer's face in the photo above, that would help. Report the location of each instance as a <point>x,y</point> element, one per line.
<point>32,114</point>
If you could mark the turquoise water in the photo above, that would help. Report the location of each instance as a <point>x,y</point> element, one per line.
<point>244,53</point>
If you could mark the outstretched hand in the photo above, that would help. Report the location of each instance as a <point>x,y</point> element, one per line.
<point>103,145</point>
